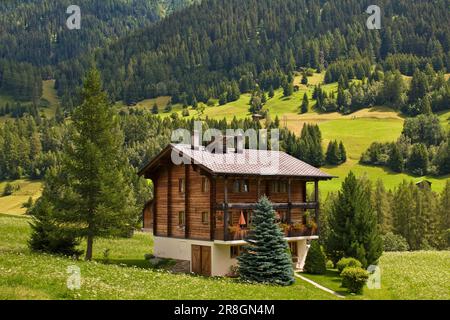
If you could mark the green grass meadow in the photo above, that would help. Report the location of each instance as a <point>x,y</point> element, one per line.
<point>26,275</point>
<point>126,275</point>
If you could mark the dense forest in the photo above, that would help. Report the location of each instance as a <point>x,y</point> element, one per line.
<point>207,49</point>
<point>34,37</point>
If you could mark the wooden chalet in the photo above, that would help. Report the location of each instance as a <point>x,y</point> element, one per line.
<point>202,209</point>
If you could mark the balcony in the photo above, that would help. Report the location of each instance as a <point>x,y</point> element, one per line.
<point>238,221</point>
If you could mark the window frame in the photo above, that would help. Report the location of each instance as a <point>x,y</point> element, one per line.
<point>205,214</point>
<point>181,219</point>
<point>205,184</point>
<point>181,185</point>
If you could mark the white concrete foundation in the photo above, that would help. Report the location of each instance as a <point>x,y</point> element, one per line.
<point>221,260</point>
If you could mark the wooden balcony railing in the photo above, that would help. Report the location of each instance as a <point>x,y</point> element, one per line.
<point>289,230</point>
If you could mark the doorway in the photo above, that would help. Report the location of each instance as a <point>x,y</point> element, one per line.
<point>201,260</point>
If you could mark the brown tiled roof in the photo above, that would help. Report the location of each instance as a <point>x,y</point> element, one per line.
<point>249,162</point>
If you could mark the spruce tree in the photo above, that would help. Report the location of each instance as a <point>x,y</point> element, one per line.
<point>155,109</point>
<point>418,159</point>
<point>395,162</point>
<point>381,205</point>
<point>332,156</point>
<point>342,153</point>
<point>266,257</point>
<point>94,195</point>
<point>271,92</point>
<point>305,104</point>
<point>304,79</point>
<point>353,224</point>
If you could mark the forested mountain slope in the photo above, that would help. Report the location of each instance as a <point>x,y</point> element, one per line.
<point>35,31</point>
<point>34,36</point>
<point>206,50</point>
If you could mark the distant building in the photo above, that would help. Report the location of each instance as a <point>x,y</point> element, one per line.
<point>422,184</point>
<point>257,117</point>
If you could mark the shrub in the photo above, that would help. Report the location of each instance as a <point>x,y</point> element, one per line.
<point>354,279</point>
<point>347,262</point>
<point>330,264</point>
<point>8,190</point>
<point>315,262</point>
<point>394,242</point>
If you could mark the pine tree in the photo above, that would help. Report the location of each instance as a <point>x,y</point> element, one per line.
<point>418,160</point>
<point>395,161</point>
<point>288,88</point>
<point>353,224</point>
<point>94,192</point>
<point>155,109</point>
<point>332,156</point>
<point>266,257</point>
<point>305,104</point>
<point>304,79</point>
<point>59,116</point>
<point>444,215</point>
<point>381,205</point>
<point>342,153</point>
<point>271,92</point>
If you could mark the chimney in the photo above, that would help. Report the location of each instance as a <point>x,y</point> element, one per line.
<point>239,148</point>
<point>195,143</point>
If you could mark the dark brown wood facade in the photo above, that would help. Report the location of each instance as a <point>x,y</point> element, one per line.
<point>192,203</point>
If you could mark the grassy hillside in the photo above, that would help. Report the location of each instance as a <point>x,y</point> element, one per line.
<point>357,130</point>
<point>13,204</point>
<point>24,275</point>
<point>34,276</point>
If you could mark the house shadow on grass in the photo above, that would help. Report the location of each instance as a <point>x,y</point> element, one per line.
<point>139,263</point>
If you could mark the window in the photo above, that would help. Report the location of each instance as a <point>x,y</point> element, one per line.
<point>236,186</point>
<point>181,218</point>
<point>274,186</point>
<point>181,185</point>
<point>245,186</point>
<point>241,186</point>
<point>205,217</point>
<point>205,184</point>
<point>283,186</point>
<point>235,251</point>
<point>279,186</point>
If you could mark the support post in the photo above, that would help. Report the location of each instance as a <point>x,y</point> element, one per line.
<point>186,200</point>
<point>169,201</point>
<point>212,205</point>
<point>289,202</point>
<point>155,206</point>
<point>258,181</point>
<point>225,209</point>
<point>316,199</point>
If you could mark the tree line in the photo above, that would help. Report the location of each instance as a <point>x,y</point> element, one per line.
<point>427,92</point>
<point>409,217</point>
<point>423,148</point>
